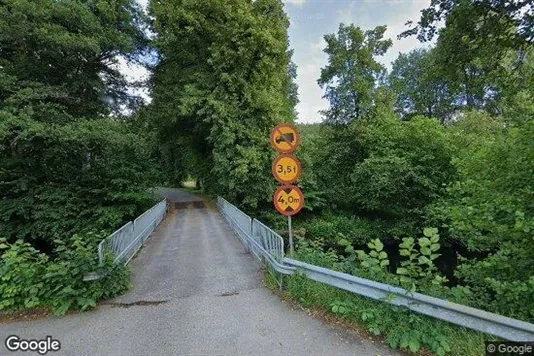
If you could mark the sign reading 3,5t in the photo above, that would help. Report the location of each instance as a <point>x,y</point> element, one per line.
<point>285,138</point>
<point>286,169</point>
<point>288,200</point>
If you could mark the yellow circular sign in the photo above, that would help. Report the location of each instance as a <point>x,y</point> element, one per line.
<point>286,169</point>
<point>285,138</point>
<point>288,200</point>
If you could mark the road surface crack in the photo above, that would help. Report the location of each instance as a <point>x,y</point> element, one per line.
<point>228,294</point>
<point>138,303</point>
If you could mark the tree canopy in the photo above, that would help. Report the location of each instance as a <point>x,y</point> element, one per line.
<point>223,81</point>
<point>434,155</point>
<point>352,74</point>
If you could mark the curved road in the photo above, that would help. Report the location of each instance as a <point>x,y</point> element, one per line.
<point>196,292</point>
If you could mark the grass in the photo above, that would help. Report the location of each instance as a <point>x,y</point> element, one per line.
<point>397,326</point>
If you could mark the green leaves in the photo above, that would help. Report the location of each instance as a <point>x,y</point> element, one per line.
<point>376,245</point>
<point>411,340</point>
<point>340,308</point>
<point>225,83</point>
<point>350,75</point>
<point>431,232</point>
<point>377,260</point>
<point>419,269</point>
<point>65,33</point>
<point>420,89</point>
<point>402,270</point>
<point>343,242</point>
<point>31,279</point>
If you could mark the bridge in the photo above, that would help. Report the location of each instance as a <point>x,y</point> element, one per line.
<point>196,291</point>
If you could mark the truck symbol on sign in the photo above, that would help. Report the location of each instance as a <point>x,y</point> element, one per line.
<point>288,137</point>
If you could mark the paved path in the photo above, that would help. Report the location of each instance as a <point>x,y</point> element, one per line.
<point>195,293</point>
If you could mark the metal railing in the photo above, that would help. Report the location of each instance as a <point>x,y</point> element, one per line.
<point>271,251</point>
<point>126,241</point>
<point>240,221</point>
<point>264,243</point>
<point>268,239</point>
<point>476,319</point>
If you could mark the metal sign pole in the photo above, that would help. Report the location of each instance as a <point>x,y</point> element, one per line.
<point>290,236</point>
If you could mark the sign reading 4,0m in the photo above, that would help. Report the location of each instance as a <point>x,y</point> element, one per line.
<point>288,200</point>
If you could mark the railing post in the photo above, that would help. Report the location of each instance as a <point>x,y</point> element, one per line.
<point>252,232</point>
<point>100,257</point>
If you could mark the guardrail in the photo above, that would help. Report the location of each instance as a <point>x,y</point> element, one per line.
<point>476,319</point>
<point>265,244</point>
<point>126,241</point>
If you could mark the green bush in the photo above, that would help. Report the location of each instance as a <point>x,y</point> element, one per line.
<point>329,226</point>
<point>386,167</point>
<point>358,230</point>
<point>31,279</point>
<point>490,209</point>
<point>386,179</point>
<point>56,181</point>
<point>71,161</point>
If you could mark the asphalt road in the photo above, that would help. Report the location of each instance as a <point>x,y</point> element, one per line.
<point>196,292</point>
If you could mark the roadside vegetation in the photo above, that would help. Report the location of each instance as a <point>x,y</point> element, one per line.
<point>421,176</point>
<point>394,326</point>
<point>73,168</point>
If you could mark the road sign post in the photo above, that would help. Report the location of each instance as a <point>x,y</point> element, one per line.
<point>290,236</point>
<point>288,199</point>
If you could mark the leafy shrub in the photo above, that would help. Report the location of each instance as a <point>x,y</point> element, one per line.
<point>69,162</point>
<point>355,229</point>
<point>419,268</point>
<point>313,252</point>
<point>391,168</point>
<point>31,279</point>
<point>56,181</point>
<point>490,209</point>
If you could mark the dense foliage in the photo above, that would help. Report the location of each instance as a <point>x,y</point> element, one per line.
<point>421,177</point>
<point>352,73</point>
<point>32,279</point>
<point>222,82</point>
<point>443,146</point>
<point>399,327</point>
<point>72,169</point>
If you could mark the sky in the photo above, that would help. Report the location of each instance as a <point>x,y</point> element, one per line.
<point>310,20</point>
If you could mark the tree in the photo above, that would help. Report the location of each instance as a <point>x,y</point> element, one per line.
<point>222,83</point>
<point>491,13</point>
<point>468,64</point>
<point>352,73</point>
<point>419,88</point>
<point>293,86</point>
<point>479,47</point>
<point>62,56</point>
<point>489,209</point>
<point>63,160</point>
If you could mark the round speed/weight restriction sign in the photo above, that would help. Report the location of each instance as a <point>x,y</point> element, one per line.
<point>285,138</point>
<point>286,169</point>
<point>288,200</point>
